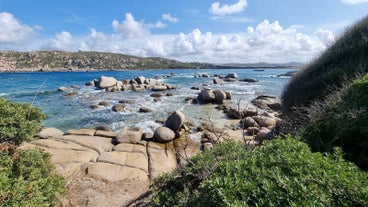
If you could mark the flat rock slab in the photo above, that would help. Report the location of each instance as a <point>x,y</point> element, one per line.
<point>49,132</point>
<point>162,158</point>
<point>129,159</point>
<point>127,147</point>
<point>111,173</point>
<point>62,144</point>
<point>99,144</point>
<point>89,192</point>
<point>87,132</point>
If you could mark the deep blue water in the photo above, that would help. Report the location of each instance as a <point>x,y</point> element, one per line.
<point>40,89</point>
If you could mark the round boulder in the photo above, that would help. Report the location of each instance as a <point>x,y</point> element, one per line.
<point>164,134</point>
<point>175,121</point>
<point>220,96</point>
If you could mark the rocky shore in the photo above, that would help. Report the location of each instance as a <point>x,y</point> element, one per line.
<point>114,168</point>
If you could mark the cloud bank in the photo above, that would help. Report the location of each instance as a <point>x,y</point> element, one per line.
<point>268,41</point>
<point>353,2</point>
<point>12,31</point>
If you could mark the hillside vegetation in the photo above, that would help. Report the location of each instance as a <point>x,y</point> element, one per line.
<point>61,60</point>
<point>341,62</point>
<point>327,103</point>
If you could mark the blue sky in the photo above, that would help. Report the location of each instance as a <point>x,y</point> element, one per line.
<point>216,31</point>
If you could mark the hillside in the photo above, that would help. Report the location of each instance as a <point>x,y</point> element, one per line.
<point>12,61</point>
<point>326,103</point>
<point>339,63</point>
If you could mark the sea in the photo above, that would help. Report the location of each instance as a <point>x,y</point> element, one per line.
<point>63,112</point>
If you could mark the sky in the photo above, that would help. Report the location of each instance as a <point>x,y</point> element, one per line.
<point>212,31</point>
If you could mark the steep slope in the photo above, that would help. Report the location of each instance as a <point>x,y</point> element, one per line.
<point>341,62</point>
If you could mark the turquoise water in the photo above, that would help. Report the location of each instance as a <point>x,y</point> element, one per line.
<point>40,89</point>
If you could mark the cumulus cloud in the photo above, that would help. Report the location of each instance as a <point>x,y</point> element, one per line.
<point>352,2</point>
<point>62,41</point>
<point>218,9</point>
<point>169,18</point>
<point>130,28</point>
<point>13,31</point>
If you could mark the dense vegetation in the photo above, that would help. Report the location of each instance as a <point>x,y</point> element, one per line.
<point>327,102</point>
<point>59,60</point>
<point>283,172</point>
<point>26,176</point>
<point>341,120</point>
<point>18,122</point>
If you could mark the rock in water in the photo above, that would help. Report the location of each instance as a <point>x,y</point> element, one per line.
<point>175,121</point>
<point>107,82</point>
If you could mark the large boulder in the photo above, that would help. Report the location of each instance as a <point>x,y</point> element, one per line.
<point>175,121</point>
<point>164,134</point>
<point>50,132</point>
<point>107,82</point>
<point>217,80</point>
<point>232,75</point>
<point>129,135</point>
<point>140,79</point>
<point>267,102</point>
<point>265,121</point>
<point>220,96</point>
<point>206,95</point>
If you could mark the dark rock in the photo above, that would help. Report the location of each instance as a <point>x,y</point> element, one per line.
<point>235,114</point>
<point>175,121</point>
<point>94,107</point>
<point>249,80</point>
<point>156,95</point>
<point>145,110</point>
<point>118,107</point>
<point>217,80</point>
<point>220,96</point>
<point>104,103</point>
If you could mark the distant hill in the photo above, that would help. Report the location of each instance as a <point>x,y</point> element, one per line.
<point>13,61</point>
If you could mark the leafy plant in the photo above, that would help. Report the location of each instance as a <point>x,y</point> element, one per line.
<point>18,122</point>
<point>27,179</point>
<point>280,173</point>
<point>342,122</point>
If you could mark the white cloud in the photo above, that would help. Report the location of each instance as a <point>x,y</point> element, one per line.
<point>62,41</point>
<point>13,31</point>
<point>218,9</point>
<point>129,28</point>
<point>169,18</point>
<point>353,2</point>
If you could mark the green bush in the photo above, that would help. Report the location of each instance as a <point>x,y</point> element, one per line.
<point>18,122</point>
<point>280,173</point>
<point>342,122</point>
<point>27,179</point>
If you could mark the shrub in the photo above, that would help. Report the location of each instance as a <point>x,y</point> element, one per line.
<point>342,122</point>
<point>281,173</point>
<point>18,122</point>
<point>27,178</point>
